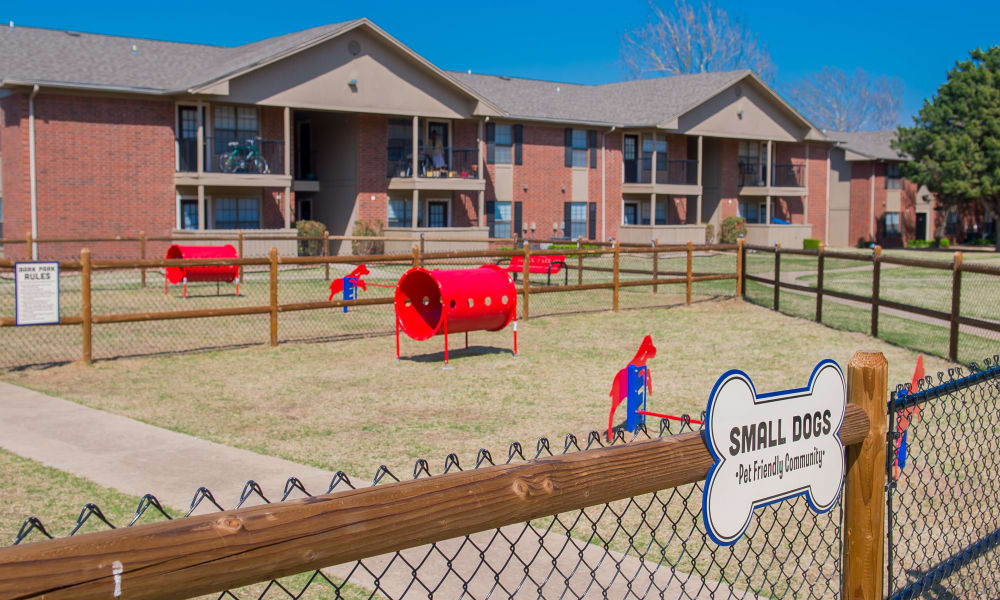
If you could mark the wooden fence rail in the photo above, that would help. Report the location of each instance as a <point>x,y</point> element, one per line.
<point>210,553</point>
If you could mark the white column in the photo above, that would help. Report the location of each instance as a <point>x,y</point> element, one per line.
<point>767,208</point>
<point>413,164</point>
<point>770,168</point>
<point>201,208</point>
<point>288,144</point>
<point>416,206</point>
<point>479,171</point>
<point>287,199</point>
<point>652,165</point>
<point>201,140</point>
<point>652,204</point>
<point>699,178</point>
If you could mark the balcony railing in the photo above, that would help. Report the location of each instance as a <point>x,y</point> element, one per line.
<point>789,176</point>
<point>440,162</point>
<point>224,155</point>
<point>752,173</point>
<point>677,172</point>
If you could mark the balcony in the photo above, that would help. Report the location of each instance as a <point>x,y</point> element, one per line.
<point>786,179</point>
<point>438,168</point>
<point>677,176</point>
<point>252,161</point>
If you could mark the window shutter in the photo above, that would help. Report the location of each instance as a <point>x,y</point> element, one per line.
<point>491,146</point>
<point>567,218</point>
<point>569,146</point>
<point>592,221</point>
<point>518,135</point>
<point>490,214</point>
<point>516,230</point>
<point>592,142</point>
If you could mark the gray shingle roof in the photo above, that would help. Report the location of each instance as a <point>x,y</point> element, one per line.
<point>873,144</point>
<point>36,55</point>
<point>640,102</point>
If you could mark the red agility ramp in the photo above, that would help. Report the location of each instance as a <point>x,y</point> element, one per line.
<point>216,273</point>
<point>440,302</point>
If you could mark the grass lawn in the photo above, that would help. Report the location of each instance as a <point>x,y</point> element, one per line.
<point>349,405</point>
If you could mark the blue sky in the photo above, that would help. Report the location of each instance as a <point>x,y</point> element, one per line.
<point>917,41</point>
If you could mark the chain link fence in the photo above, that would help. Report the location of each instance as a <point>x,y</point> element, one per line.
<point>943,502</point>
<point>653,545</point>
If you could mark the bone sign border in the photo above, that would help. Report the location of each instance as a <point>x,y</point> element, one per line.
<point>722,498</point>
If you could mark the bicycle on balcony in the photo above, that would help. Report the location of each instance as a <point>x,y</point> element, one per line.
<point>244,158</point>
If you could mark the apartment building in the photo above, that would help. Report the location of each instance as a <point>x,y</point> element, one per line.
<point>105,135</point>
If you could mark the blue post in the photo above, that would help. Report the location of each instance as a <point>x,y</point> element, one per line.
<point>350,289</point>
<point>636,398</point>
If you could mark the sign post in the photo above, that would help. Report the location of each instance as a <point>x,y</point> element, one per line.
<point>772,447</point>
<point>36,292</point>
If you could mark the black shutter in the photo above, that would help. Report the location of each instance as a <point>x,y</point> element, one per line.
<point>490,208</point>
<point>569,147</point>
<point>592,221</point>
<point>567,218</point>
<point>516,230</point>
<point>518,138</point>
<point>592,142</point>
<point>491,146</point>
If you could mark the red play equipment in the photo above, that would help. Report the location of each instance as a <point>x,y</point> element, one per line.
<point>337,285</point>
<point>216,273</point>
<point>440,302</point>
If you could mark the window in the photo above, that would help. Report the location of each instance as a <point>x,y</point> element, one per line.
<point>892,223</point>
<point>580,150</point>
<point>437,214</point>
<point>234,124</point>
<point>661,212</point>
<point>631,213</point>
<point>644,213</point>
<point>951,223</point>
<point>400,148</point>
<point>189,214</point>
<point>753,211</point>
<point>577,227</point>
<point>502,221</point>
<point>400,212</point>
<point>503,137</point>
<point>304,210</point>
<point>752,163</point>
<point>237,213</point>
<point>893,179</point>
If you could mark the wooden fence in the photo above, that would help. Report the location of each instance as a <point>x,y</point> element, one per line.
<point>87,265</point>
<point>956,267</point>
<point>210,553</point>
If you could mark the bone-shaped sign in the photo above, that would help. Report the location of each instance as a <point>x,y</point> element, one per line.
<point>772,447</point>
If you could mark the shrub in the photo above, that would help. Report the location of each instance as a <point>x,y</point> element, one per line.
<point>810,244</point>
<point>919,244</point>
<point>709,233</point>
<point>310,229</point>
<point>983,242</point>
<point>943,242</point>
<point>866,244</point>
<point>573,246</point>
<point>365,229</point>
<point>732,229</point>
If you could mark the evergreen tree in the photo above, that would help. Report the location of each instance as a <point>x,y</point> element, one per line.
<point>954,143</point>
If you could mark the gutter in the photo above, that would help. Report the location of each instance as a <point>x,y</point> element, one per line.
<point>33,177</point>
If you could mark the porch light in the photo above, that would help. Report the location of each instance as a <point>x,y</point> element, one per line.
<point>353,83</point>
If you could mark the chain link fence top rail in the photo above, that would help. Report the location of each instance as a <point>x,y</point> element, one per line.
<point>648,546</point>
<point>944,494</point>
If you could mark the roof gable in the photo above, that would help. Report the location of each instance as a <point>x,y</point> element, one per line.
<point>743,109</point>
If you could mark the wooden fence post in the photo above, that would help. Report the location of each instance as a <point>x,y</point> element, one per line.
<point>819,282</point>
<point>422,248</point>
<point>690,256</point>
<point>239,251</point>
<point>273,255</point>
<point>777,274</point>
<point>741,267</point>
<point>876,278</point>
<point>656,263</point>
<point>526,276</point>
<point>142,255</point>
<point>579,262</point>
<point>85,306</point>
<point>326,251</point>
<point>864,486</point>
<point>614,299</point>
<point>956,297</point>
<point>415,250</point>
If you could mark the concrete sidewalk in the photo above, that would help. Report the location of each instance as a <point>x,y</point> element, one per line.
<point>136,458</point>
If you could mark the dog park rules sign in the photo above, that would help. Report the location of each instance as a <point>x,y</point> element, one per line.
<point>772,447</point>
<point>36,293</point>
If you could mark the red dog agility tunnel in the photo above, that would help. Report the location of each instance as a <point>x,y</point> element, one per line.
<point>216,273</point>
<point>440,302</point>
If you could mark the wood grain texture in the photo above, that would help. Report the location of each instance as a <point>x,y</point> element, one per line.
<point>876,283</point>
<point>207,553</point>
<point>956,297</point>
<point>864,487</point>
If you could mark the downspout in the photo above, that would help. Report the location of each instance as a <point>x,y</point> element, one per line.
<point>33,179</point>
<point>604,214</point>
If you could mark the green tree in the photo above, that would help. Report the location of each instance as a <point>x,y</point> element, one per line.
<point>954,142</point>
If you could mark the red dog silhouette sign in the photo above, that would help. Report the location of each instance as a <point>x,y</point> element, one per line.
<point>772,447</point>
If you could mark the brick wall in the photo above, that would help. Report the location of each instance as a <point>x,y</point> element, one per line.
<point>14,146</point>
<point>860,212</point>
<point>817,183</point>
<point>729,205</point>
<point>373,134</point>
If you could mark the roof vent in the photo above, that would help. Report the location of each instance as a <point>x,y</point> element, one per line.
<point>135,50</point>
<point>354,47</point>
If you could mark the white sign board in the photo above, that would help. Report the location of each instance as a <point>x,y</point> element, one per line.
<point>36,293</point>
<point>772,447</point>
